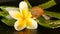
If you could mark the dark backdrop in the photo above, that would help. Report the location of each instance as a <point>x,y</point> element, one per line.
<point>4,29</point>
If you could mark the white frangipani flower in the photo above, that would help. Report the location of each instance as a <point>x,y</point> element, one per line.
<point>23,17</point>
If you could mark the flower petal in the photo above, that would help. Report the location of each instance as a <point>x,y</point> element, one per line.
<point>20,25</point>
<point>14,13</point>
<point>31,24</point>
<point>23,8</point>
<point>29,15</point>
<point>12,8</point>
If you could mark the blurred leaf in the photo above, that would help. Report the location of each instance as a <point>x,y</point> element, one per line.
<point>3,7</point>
<point>48,23</point>
<point>7,19</point>
<point>48,4</point>
<point>53,14</point>
<point>9,22</point>
<point>4,14</point>
<point>44,5</point>
<point>0,13</point>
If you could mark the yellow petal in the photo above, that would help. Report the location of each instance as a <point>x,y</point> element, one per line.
<point>23,8</point>
<point>29,15</point>
<point>31,24</point>
<point>20,25</point>
<point>14,12</point>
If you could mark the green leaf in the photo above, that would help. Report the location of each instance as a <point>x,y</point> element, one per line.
<point>4,14</point>
<point>53,14</point>
<point>41,21</point>
<point>4,8</point>
<point>7,19</point>
<point>0,13</point>
<point>44,5</point>
<point>48,23</point>
<point>48,4</point>
<point>9,22</point>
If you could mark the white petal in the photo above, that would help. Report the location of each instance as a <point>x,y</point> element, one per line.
<point>23,6</point>
<point>19,25</point>
<point>14,12</point>
<point>32,24</point>
<point>12,9</point>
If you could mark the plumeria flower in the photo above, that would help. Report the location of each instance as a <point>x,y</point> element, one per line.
<point>23,17</point>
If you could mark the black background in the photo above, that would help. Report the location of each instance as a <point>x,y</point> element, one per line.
<point>4,29</point>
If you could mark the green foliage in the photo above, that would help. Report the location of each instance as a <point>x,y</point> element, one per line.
<point>48,23</point>
<point>7,19</point>
<point>44,5</point>
<point>53,14</point>
<point>9,22</point>
<point>48,4</point>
